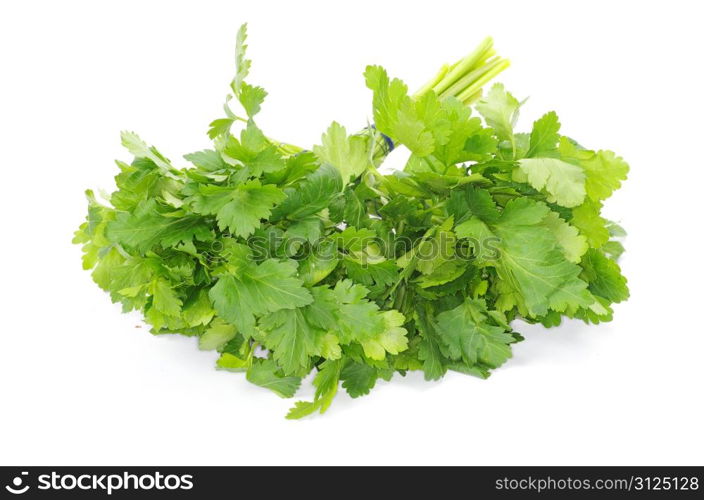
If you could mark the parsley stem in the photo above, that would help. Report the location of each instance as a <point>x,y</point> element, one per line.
<point>476,58</point>
<point>435,81</point>
<point>469,79</point>
<point>408,270</point>
<point>400,297</point>
<point>473,91</point>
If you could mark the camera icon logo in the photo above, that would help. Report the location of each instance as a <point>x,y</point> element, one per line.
<point>17,488</point>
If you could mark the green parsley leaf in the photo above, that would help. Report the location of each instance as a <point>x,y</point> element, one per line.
<point>257,290</point>
<point>239,209</point>
<point>544,136</point>
<point>500,110</point>
<point>348,155</point>
<point>467,334</point>
<point>563,181</point>
<point>265,373</point>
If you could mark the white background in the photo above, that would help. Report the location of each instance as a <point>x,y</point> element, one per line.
<point>82,383</point>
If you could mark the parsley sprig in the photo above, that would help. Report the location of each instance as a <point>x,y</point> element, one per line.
<point>291,261</point>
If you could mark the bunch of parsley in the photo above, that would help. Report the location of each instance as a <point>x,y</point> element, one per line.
<point>290,262</point>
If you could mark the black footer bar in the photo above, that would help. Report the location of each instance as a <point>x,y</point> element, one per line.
<point>232,482</point>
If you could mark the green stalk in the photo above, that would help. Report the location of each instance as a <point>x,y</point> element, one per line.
<point>472,61</point>
<point>473,91</point>
<point>435,81</point>
<point>470,78</point>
